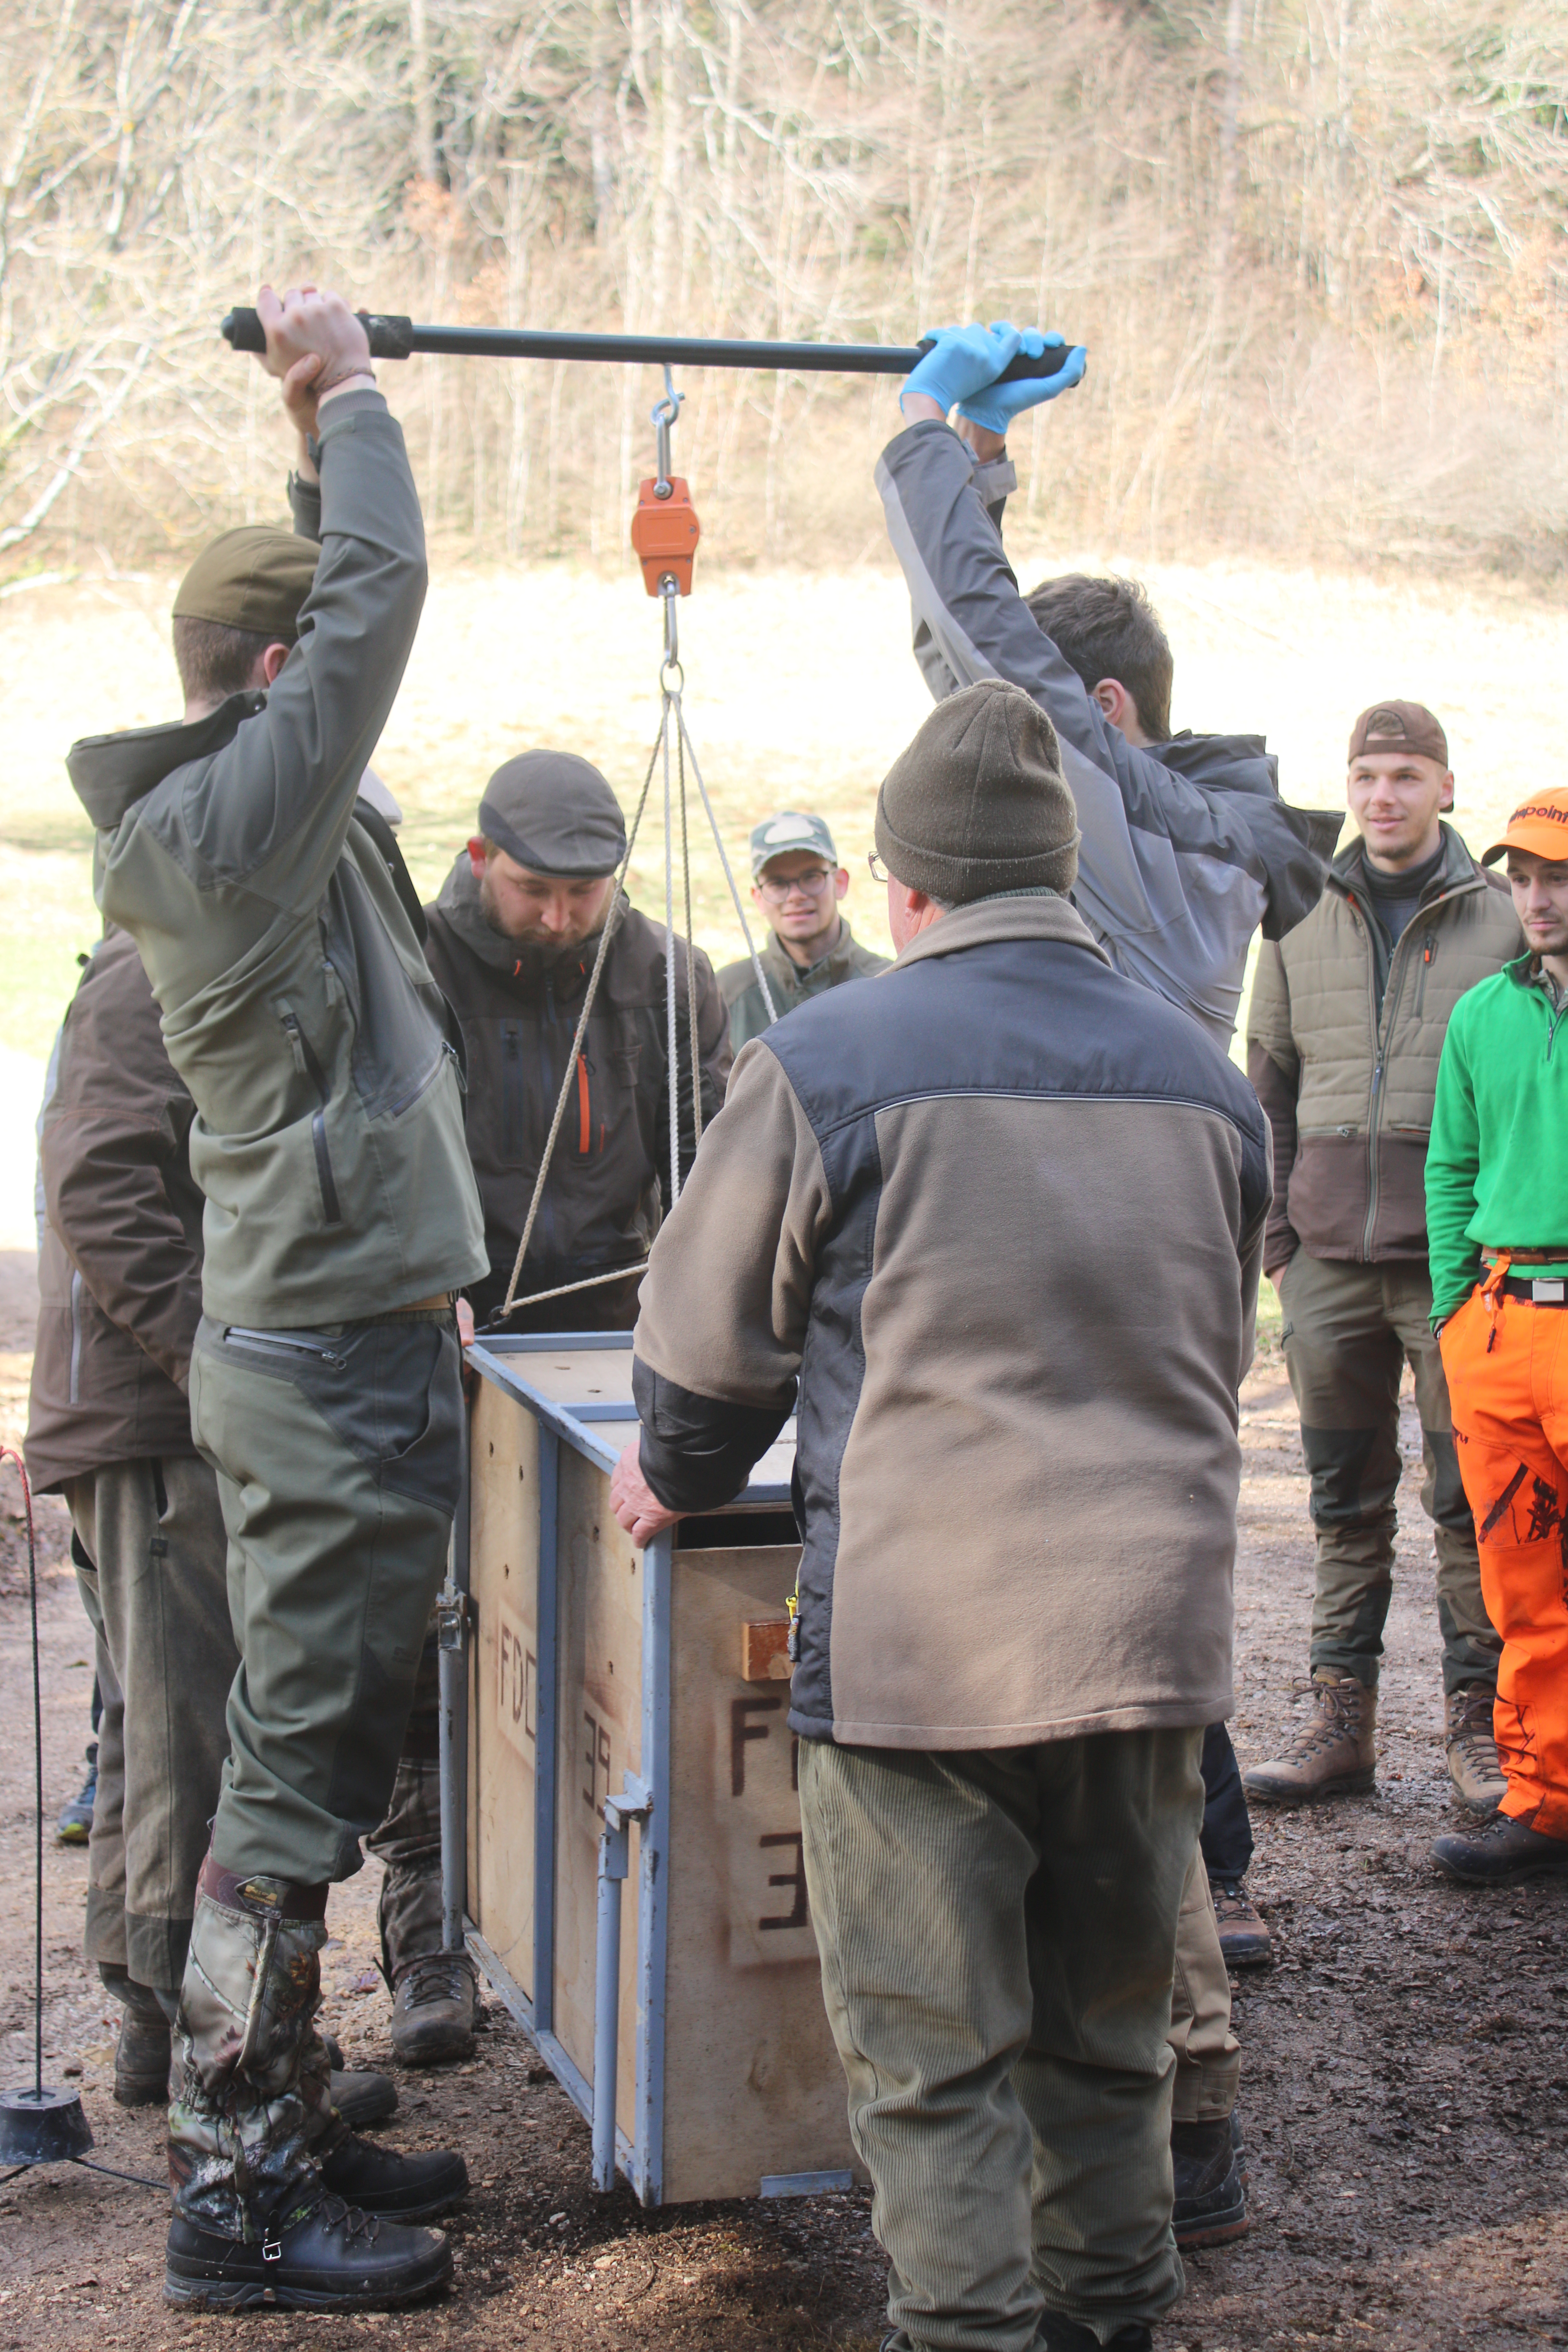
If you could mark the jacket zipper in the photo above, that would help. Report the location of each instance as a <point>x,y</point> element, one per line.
<point>585,1111</point>
<point>282,1345</point>
<point>1428,950</point>
<point>511,1095</point>
<point>1383,1029</point>
<point>443,1052</point>
<point>76,1338</point>
<point>305,1059</point>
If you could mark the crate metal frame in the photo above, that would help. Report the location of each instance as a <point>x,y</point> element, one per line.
<point>597,1431</point>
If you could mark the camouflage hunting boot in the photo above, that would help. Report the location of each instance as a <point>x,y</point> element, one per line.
<point>242,2125</point>
<point>1334,1753</point>
<point>253,2128</point>
<point>1480,1782</point>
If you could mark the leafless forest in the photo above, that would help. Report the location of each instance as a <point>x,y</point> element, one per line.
<point>1318,249</point>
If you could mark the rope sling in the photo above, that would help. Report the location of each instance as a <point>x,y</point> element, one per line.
<point>665,531</point>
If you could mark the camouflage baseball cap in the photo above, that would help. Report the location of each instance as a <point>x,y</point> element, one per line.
<point>791,830</point>
<point>253,577</point>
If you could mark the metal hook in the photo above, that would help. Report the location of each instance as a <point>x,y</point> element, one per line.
<point>670,590</point>
<point>665,413</point>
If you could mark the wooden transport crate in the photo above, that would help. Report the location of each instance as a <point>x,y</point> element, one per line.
<point>597,1673</point>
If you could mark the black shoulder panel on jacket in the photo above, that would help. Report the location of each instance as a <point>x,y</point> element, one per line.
<point>1010,1017</point>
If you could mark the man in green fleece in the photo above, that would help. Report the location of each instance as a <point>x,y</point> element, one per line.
<point>340,1217</point>
<point>798,885</point>
<point>1497,1212</point>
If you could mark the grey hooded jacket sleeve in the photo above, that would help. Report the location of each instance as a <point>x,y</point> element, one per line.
<point>1185,853</point>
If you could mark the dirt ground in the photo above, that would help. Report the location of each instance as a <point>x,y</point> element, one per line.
<point>1403,2092</point>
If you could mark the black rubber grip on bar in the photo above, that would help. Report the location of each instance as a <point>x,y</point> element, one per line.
<point>394,338</point>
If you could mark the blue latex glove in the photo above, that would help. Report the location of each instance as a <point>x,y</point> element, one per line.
<point>963,361</point>
<point>995,405</point>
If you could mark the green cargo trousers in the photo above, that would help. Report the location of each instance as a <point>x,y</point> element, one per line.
<point>149,1550</point>
<point>337,1453</point>
<point>998,1932</point>
<point>1347,1333</point>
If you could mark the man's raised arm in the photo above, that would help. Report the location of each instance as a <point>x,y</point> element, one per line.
<point>268,814</point>
<point>1173,879</point>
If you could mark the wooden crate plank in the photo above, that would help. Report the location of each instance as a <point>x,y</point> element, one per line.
<point>752,2083</point>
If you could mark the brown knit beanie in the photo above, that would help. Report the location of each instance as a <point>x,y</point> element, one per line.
<point>978,802</point>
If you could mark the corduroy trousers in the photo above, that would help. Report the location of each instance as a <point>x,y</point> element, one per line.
<point>998,1933</point>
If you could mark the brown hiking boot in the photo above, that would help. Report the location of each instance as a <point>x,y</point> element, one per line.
<point>1480,1781</point>
<point>433,2009</point>
<point>1244,1936</point>
<point>1334,1754</point>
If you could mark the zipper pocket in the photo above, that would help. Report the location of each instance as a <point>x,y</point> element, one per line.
<point>305,1060</point>
<point>1428,950</point>
<point>282,1345</point>
<point>423,1084</point>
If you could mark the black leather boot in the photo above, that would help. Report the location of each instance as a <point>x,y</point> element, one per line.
<point>1504,1850</point>
<point>318,2255</point>
<point>398,2188</point>
<point>1210,2207</point>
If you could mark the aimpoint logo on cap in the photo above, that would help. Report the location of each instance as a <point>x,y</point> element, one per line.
<point>1539,828</point>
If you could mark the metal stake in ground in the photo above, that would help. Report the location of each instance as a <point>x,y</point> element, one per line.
<point>43,2124</point>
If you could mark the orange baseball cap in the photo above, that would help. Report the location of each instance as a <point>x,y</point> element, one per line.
<point>1539,826</point>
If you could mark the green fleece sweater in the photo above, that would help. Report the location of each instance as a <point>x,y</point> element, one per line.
<point>1497,1166</point>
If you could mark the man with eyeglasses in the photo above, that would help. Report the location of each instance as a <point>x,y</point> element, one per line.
<point>798,885</point>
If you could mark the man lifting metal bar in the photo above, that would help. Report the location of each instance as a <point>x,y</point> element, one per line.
<point>341,1217</point>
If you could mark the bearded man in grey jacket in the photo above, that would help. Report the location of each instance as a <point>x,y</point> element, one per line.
<point>924,1222</point>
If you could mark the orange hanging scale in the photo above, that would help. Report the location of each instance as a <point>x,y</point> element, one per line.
<point>664,529</point>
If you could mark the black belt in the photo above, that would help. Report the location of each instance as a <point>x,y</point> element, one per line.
<point>1549,1290</point>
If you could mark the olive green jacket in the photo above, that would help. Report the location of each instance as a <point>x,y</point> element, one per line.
<point>789,985</point>
<point>296,1005</point>
<point>1347,1071</point>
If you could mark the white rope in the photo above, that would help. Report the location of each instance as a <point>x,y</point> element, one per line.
<point>512,1299</point>
<point>725,862</point>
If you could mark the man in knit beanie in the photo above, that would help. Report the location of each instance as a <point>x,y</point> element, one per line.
<point>923,1223</point>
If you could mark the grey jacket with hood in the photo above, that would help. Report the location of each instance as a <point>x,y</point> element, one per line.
<point>1186,850</point>
<point>296,1005</point>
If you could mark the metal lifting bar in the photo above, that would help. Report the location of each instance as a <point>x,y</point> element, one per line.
<point>392,337</point>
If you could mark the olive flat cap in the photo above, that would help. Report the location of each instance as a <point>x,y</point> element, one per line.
<point>555,814</point>
<point>253,577</point>
<point>978,802</point>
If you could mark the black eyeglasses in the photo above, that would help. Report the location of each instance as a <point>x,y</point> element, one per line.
<point>814,882</point>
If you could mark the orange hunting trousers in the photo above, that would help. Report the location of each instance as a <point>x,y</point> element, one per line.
<point>1506,1364</point>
